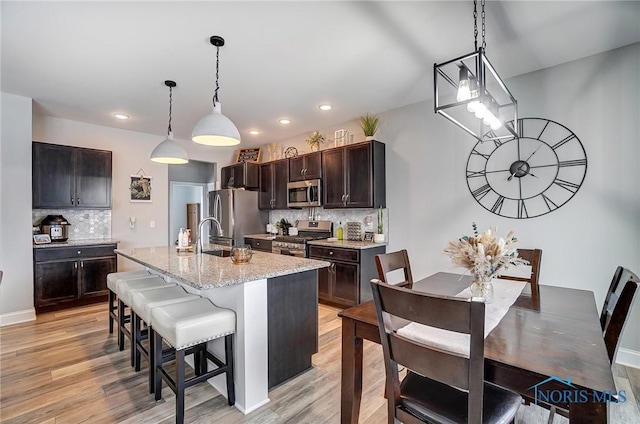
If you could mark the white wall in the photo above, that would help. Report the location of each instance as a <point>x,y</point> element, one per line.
<point>583,241</point>
<point>16,291</point>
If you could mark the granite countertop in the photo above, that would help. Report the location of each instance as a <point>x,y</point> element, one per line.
<point>73,243</point>
<point>204,271</point>
<point>261,236</point>
<point>347,244</point>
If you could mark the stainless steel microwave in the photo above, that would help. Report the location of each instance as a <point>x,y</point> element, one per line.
<point>304,193</point>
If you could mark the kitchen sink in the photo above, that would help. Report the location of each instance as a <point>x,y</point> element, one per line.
<point>220,253</point>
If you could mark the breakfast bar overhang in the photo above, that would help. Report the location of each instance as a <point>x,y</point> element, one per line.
<point>275,299</point>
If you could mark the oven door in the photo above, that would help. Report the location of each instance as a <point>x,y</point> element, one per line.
<point>304,194</point>
<point>288,252</point>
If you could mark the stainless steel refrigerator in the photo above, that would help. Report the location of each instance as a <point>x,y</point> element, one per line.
<point>238,213</point>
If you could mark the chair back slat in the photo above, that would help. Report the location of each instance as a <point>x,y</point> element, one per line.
<point>623,275</point>
<point>618,318</point>
<point>388,262</point>
<point>534,257</point>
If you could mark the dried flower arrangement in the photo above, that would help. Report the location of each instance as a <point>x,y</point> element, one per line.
<point>315,139</point>
<point>485,255</point>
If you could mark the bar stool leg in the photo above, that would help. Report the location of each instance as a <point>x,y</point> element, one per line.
<point>121,322</point>
<point>180,386</point>
<point>228,351</point>
<point>112,310</point>
<point>157,366</point>
<point>152,358</point>
<point>136,337</point>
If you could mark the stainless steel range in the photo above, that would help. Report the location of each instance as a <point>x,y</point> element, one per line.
<point>297,245</point>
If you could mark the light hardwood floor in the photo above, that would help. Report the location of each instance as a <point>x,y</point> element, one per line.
<point>66,368</point>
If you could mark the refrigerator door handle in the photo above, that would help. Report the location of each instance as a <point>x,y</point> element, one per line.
<point>218,207</point>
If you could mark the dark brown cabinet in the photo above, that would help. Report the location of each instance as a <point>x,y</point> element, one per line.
<point>305,167</point>
<point>258,244</point>
<point>273,185</point>
<point>70,177</point>
<point>354,176</point>
<point>70,276</point>
<point>240,175</point>
<point>346,281</point>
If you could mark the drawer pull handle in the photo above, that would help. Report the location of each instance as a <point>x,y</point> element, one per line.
<point>79,252</point>
<point>330,253</point>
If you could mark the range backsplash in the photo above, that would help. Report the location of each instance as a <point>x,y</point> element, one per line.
<point>336,216</point>
<point>85,223</point>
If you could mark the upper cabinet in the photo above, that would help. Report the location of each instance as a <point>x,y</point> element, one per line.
<point>273,185</point>
<point>70,177</point>
<point>241,175</point>
<point>354,176</point>
<point>305,167</point>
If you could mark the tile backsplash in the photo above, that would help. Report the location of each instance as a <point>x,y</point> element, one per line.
<point>336,216</point>
<point>85,223</point>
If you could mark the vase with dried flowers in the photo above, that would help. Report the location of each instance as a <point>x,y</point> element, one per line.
<point>485,256</point>
<point>315,140</point>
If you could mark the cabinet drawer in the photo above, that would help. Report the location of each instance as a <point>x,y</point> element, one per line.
<point>56,253</point>
<point>352,255</point>
<point>258,244</point>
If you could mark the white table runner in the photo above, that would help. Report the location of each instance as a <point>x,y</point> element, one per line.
<point>505,293</point>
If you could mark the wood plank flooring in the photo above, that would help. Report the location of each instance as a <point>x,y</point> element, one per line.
<point>66,368</point>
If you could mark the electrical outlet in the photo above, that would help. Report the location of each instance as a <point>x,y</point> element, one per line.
<point>152,224</point>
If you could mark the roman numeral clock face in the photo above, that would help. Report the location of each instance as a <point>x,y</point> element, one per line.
<point>527,176</point>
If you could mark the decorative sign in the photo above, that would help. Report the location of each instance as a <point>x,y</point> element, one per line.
<point>248,155</point>
<point>140,188</point>
<point>368,236</point>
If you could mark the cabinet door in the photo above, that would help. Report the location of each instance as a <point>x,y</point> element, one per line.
<point>313,166</point>
<point>56,282</point>
<point>280,180</point>
<point>265,191</point>
<point>325,279</point>
<point>93,275</point>
<point>226,177</point>
<point>359,182</point>
<point>334,178</point>
<point>347,283</point>
<point>93,179</point>
<point>296,167</point>
<point>53,176</point>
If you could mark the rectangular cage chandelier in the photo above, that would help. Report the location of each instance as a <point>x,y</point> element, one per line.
<point>469,92</point>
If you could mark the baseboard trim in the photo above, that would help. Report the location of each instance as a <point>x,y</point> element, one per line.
<point>17,317</point>
<point>628,358</point>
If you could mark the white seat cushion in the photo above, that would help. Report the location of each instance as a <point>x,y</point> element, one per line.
<point>143,301</point>
<point>190,323</point>
<point>114,277</point>
<point>125,287</point>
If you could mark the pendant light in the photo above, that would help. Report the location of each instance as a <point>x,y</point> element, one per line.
<point>169,151</point>
<point>470,93</point>
<point>215,129</point>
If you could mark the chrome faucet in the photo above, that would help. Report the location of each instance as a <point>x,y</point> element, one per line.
<point>199,241</point>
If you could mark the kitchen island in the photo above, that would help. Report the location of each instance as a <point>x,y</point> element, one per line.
<point>275,299</point>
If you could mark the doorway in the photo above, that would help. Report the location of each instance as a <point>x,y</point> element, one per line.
<point>180,195</point>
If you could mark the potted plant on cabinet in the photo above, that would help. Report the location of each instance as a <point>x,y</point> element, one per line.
<point>370,125</point>
<point>315,140</point>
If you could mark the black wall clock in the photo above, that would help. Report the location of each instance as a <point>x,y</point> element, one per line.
<point>527,176</point>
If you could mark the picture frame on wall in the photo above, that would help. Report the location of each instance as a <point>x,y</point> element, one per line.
<point>140,188</point>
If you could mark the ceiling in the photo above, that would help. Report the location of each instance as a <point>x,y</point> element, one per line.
<point>86,60</point>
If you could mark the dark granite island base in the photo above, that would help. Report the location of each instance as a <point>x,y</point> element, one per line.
<point>275,299</point>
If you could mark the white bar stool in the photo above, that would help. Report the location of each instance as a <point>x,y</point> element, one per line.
<point>124,289</point>
<point>142,302</point>
<point>187,327</point>
<point>112,284</point>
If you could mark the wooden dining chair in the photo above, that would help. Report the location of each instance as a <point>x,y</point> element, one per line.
<point>622,274</point>
<point>534,257</point>
<point>616,309</point>
<point>388,262</point>
<point>439,386</point>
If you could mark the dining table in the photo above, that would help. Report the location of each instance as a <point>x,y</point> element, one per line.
<point>551,341</point>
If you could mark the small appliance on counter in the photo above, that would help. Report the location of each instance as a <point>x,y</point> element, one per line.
<point>56,226</point>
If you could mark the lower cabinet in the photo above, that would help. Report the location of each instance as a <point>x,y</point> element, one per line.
<point>258,244</point>
<point>346,281</point>
<point>70,276</point>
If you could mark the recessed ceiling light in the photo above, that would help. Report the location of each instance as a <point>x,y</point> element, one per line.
<point>121,116</point>
<point>325,107</point>
<point>285,121</point>
<point>254,132</point>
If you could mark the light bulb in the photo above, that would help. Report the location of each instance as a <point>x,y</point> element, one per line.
<point>472,106</point>
<point>481,110</point>
<point>464,92</point>
<point>496,124</point>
